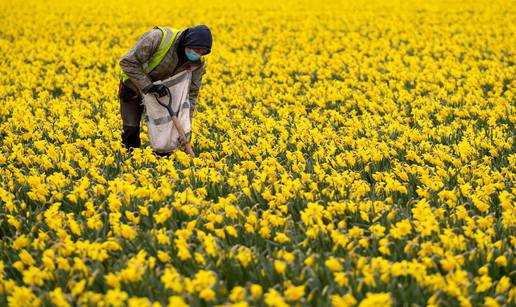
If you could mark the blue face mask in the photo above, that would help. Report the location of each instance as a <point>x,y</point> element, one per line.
<point>192,55</point>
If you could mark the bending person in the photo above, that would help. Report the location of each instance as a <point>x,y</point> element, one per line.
<point>187,48</point>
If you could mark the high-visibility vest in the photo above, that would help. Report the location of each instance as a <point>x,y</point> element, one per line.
<point>169,34</point>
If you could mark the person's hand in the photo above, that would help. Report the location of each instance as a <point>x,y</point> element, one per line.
<point>180,142</point>
<point>158,89</point>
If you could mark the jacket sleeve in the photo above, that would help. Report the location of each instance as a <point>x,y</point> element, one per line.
<point>195,85</point>
<point>132,62</point>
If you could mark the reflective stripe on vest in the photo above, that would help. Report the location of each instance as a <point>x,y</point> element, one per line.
<point>169,34</point>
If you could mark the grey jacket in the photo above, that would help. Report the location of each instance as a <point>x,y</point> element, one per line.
<point>132,64</point>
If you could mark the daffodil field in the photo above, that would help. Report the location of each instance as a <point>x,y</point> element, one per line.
<point>349,153</point>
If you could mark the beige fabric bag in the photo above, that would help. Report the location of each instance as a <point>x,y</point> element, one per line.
<point>163,134</point>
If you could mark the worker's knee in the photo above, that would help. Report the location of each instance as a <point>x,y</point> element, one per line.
<point>130,108</point>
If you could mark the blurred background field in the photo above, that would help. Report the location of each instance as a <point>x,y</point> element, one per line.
<point>349,153</point>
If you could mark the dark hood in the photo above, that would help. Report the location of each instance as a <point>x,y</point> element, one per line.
<point>195,37</point>
<point>198,37</point>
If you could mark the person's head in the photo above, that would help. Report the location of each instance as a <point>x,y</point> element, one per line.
<point>197,42</point>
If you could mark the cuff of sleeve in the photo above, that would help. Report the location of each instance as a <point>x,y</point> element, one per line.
<point>146,86</point>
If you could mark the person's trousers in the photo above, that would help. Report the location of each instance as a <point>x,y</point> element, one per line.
<point>131,110</point>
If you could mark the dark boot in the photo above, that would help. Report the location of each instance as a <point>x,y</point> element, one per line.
<point>162,154</point>
<point>131,137</point>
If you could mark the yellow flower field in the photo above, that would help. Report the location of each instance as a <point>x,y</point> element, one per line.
<point>349,153</point>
